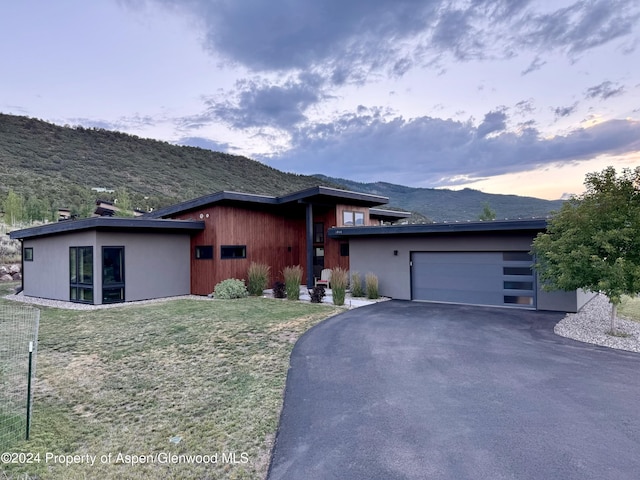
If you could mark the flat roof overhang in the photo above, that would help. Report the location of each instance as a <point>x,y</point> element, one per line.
<point>491,226</point>
<point>119,224</point>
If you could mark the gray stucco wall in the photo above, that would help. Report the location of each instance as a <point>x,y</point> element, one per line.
<point>376,255</point>
<point>47,276</point>
<point>156,264</point>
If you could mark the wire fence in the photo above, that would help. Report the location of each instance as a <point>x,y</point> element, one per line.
<point>18,349</point>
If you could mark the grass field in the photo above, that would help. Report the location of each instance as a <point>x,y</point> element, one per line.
<point>207,374</point>
<point>630,308</point>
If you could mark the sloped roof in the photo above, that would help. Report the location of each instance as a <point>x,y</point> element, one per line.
<point>109,223</point>
<point>317,194</point>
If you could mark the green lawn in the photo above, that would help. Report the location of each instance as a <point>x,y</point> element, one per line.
<point>127,380</point>
<point>630,308</point>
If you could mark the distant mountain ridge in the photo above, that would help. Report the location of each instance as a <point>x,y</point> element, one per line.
<point>55,166</point>
<point>443,205</point>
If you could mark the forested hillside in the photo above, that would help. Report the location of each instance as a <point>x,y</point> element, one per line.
<point>52,166</point>
<point>46,166</point>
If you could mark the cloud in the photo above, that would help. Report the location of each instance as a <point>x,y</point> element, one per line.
<point>605,90</point>
<point>565,111</point>
<point>259,103</point>
<point>493,122</point>
<point>123,123</point>
<point>580,26</point>
<point>428,151</point>
<point>536,64</point>
<point>348,41</point>
<point>205,143</point>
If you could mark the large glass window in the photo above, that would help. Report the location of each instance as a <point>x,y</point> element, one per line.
<point>352,219</point>
<point>112,274</point>
<point>81,274</point>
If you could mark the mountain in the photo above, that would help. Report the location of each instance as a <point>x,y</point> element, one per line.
<point>452,205</point>
<point>51,166</point>
<point>60,164</point>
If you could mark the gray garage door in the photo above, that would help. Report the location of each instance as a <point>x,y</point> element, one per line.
<point>477,278</point>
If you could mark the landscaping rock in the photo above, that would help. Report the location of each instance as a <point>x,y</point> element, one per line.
<point>15,268</point>
<point>6,278</point>
<point>3,270</point>
<point>17,276</point>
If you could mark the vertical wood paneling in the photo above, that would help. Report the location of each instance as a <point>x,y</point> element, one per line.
<point>277,239</point>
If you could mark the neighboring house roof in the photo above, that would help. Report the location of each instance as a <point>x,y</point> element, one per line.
<point>311,195</point>
<point>109,224</point>
<point>389,215</point>
<point>535,224</point>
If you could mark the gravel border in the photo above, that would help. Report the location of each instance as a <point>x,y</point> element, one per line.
<point>591,323</point>
<point>45,302</point>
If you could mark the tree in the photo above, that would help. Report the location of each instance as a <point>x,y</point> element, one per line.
<point>487,212</point>
<point>593,242</point>
<point>13,208</point>
<point>123,202</point>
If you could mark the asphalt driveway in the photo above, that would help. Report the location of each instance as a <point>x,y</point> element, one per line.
<point>405,390</point>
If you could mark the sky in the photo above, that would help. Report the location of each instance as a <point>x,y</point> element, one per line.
<point>505,96</point>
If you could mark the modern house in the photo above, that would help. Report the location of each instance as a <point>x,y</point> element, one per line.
<point>192,246</point>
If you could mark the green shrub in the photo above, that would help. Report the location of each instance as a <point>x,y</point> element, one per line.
<point>356,285</point>
<point>317,294</point>
<point>292,281</point>
<point>230,288</point>
<point>371,282</point>
<point>339,281</point>
<point>257,278</point>
<point>279,290</point>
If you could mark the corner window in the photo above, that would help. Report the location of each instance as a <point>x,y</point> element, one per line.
<point>204,252</point>
<point>81,274</point>
<point>233,251</point>
<point>352,219</point>
<point>27,254</point>
<point>112,274</point>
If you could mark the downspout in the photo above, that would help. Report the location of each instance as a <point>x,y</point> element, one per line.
<point>309,245</point>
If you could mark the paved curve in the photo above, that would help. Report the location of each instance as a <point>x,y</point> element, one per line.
<point>405,390</point>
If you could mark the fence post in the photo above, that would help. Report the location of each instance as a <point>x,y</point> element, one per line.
<point>29,389</point>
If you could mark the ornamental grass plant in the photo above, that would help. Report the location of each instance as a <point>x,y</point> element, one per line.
<point>292,280</point>
<point>356,285</point>
<point>339,282</point>
<point>257,278</point>
<point>371,282</point>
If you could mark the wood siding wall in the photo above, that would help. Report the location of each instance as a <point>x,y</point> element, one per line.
<point>276,239</point>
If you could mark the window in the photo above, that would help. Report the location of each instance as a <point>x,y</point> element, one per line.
<point>318,233</point>
<point>351,219</point>
<point>81,274</point>
<point>27,255</point>
<point>204,252</point>
<point>112,274</point>
<point>233,251</point>
<point>344,249</point>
